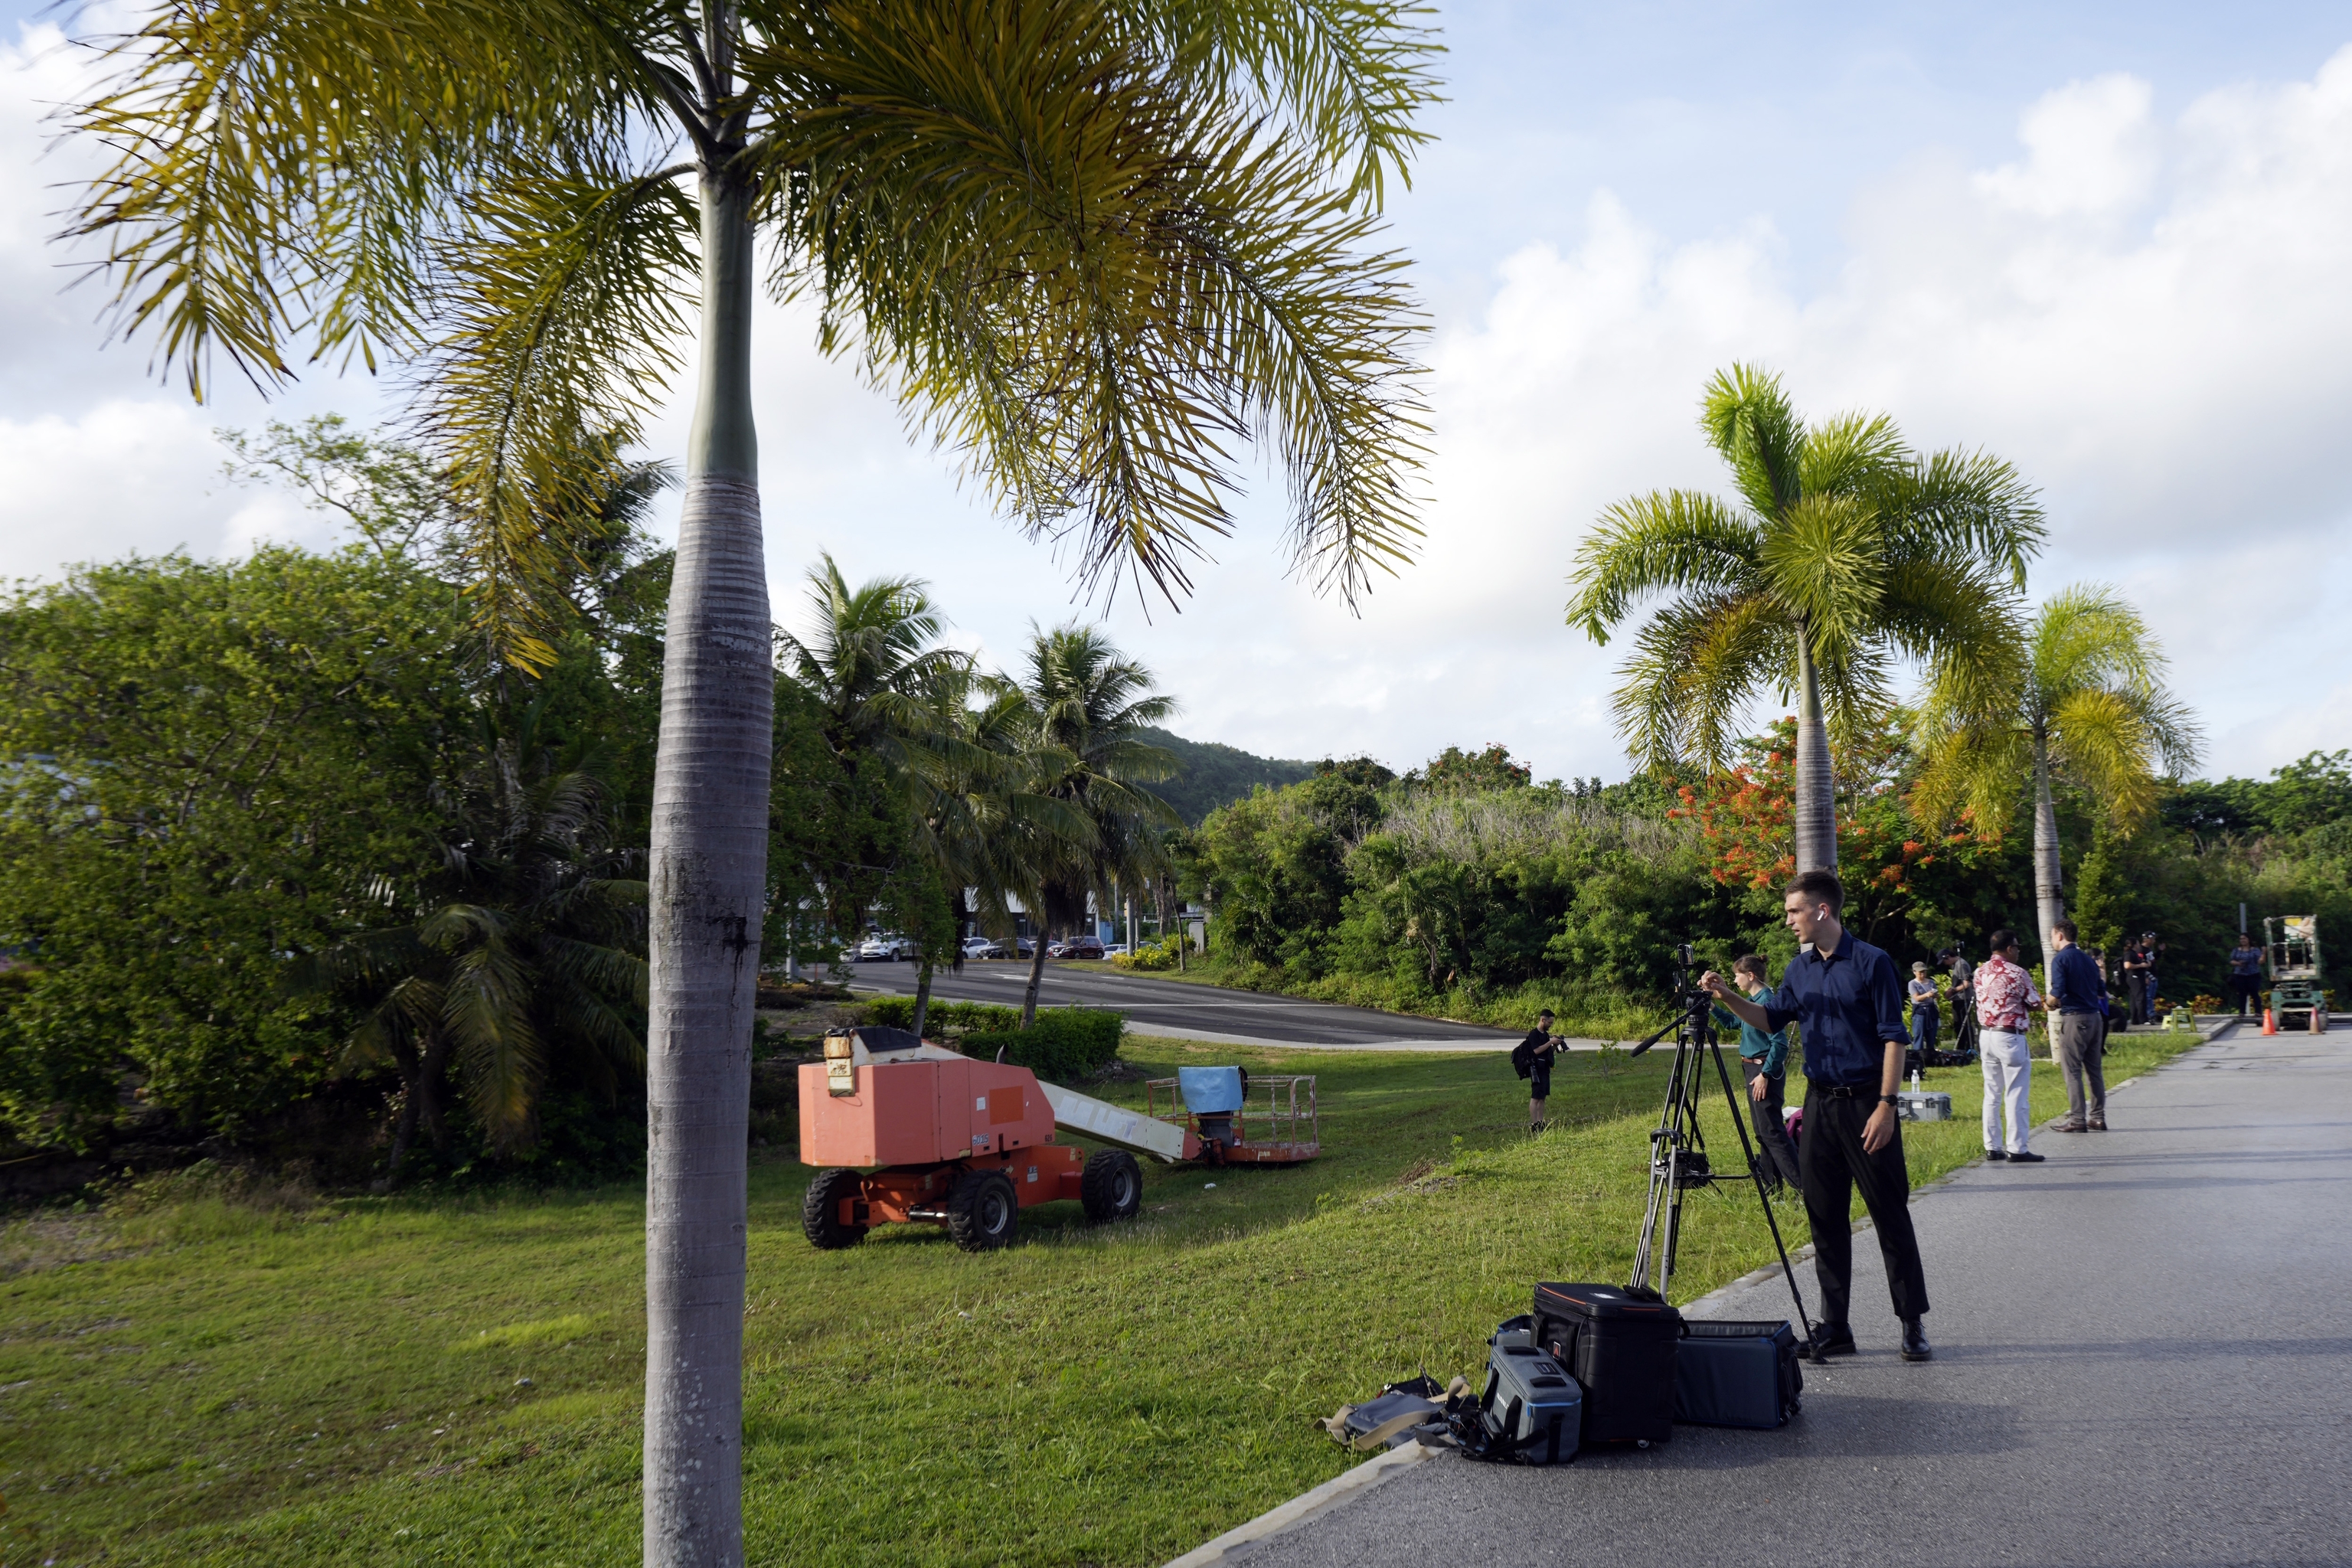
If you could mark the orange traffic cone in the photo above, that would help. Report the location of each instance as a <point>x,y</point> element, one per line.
<point>2269,1022</point>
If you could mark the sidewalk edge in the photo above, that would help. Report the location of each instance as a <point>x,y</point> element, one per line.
<point>1342,1487</point>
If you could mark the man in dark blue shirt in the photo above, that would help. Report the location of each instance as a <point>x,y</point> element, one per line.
<point>2078,1033</point>
<point>1846,999</point>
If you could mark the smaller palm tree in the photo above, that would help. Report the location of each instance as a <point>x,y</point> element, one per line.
<point>1842,551</point>
<point>2086,705</point>
<point>525,962</point>
<point>1088,704</point>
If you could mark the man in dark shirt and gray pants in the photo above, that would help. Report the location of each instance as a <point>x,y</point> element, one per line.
<point>1847,998</point>
<point>2078,1033</point>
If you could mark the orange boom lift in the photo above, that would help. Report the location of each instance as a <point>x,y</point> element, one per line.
<point>911,1132</point>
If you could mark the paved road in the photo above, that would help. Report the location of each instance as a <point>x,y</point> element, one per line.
<point>2143,1356</point>
<point>1195,1012</point>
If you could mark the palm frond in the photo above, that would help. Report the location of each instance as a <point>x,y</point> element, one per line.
<point>1964,505</point>
<point>1824,562</point>
<point>1666,541</point>
<point>1749,419</point>
<point>285,168</point>
<point>566,298</point>
<point>1347,75</point>
<point>1089,276</point>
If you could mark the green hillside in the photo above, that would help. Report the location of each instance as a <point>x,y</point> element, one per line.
<point>1215,773</point>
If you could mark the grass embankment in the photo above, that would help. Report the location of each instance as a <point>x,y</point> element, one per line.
<point>209,1382</point>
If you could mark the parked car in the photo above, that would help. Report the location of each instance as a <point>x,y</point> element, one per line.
<point>883,945</point>
<point>1114,950</point>
<point>1076,947</point>
<point>983,947</point>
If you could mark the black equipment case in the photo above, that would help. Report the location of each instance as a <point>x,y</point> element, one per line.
<point>1737,1374</point>
<point>1619,1345</point>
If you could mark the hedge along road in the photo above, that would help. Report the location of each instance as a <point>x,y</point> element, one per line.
<point>1189,1012</point>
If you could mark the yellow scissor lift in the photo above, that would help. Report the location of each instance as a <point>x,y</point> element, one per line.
<point>2291,950</point>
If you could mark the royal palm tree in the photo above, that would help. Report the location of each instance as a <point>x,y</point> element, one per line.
<point>1089,243</point>
<point>1841,551</point>
<point>2087,705</point>
<point>1087,706</point>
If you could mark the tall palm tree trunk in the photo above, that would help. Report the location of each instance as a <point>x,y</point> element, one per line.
<point>922,997</point>
<point>1036,978</point>
<point>709,868</point>
<point>1816,802</point>
<point>2049,890</point>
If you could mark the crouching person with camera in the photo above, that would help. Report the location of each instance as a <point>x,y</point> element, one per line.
<point>1846,995</point>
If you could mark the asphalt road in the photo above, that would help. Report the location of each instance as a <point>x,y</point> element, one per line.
<point>2143,1356</point>
<point>1194,1012</point>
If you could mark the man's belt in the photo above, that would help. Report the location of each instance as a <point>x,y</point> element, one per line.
<point>1846,1090</point>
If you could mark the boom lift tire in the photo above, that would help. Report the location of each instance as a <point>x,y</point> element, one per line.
<point>821,1218</point>
<point>983,1211</point>
<point>1112,1187</point>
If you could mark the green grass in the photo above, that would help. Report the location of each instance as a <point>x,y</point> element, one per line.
<point>206,1381</point>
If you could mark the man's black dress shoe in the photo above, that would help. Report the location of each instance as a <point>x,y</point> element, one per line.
<point>1915,1342</point>
<point>2027,1159</point>
<point>1996,1153</point>
<point>1828,1341</point>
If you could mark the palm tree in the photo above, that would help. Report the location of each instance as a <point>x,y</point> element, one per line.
<point>983,828</point>
<point>1089,242</point>
<point>2087,704</point>
<point>1088,705</point>
<point>525,957</point>
<point>1842,550</point>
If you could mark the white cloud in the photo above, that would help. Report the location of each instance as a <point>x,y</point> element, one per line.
<point>2175,385</point>
<point>2146,311</point>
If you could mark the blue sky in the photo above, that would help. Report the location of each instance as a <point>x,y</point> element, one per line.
<point>2107,242</point>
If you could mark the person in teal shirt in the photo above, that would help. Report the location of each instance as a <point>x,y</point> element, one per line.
<point>1766,1058</point>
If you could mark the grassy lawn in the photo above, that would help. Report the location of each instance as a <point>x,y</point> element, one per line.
<point>412,1380</point>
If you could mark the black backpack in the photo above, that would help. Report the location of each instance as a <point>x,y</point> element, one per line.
<point>1523,1059</point>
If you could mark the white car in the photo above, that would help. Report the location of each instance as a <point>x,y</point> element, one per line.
<point>1114,950</point>
<point>885,946</point>
<point>982,947</point>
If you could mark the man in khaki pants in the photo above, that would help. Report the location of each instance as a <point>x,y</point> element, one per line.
<point>2078,1031</point>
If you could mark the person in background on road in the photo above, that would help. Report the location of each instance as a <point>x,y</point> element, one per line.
<point>1532,1058</point>
<point>2078,1030</point>
<point>2246,974</point>
<point>1765,1058</point>
<point>1964,1013</point>
<point>2155,950</point>
<point>1848,998</point>
<point>2139,978</point>
<point>1925,1019</point>
<point>2005,998</point>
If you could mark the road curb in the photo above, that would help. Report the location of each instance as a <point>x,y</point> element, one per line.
<point>1345,1486</point>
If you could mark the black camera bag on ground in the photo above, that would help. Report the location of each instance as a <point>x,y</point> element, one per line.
<point>1619,1345</point>
<point>1737,1374</point>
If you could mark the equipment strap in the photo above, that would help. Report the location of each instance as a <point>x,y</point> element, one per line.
<point>1389,1428</point>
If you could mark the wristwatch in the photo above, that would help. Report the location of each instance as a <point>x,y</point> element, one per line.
<point>1887,1099</point>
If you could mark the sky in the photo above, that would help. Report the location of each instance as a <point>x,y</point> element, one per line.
<point>2109,243</point>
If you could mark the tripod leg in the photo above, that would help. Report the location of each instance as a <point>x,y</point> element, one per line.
<point>1756,1175</point>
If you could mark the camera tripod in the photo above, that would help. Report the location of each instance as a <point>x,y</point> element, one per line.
<point>1678,1160</point>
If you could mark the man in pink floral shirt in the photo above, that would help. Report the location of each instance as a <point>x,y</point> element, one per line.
<point>2005,998</point>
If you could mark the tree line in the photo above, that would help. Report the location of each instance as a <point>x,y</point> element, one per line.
<point>287,831</point>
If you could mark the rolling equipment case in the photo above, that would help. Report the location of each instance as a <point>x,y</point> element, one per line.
<point>1737,1374</point>
<point>1620,1346</point>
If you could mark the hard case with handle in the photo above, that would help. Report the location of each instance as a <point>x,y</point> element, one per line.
<point>1620,1346</point>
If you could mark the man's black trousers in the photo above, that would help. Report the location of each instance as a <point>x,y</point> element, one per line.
<point>1772,1146</point>
<point>1832,1161</point>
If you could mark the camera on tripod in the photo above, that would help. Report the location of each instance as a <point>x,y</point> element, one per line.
<point>1678,1157</point>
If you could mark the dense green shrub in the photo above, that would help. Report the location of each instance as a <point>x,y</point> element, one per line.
<point>899,1012</point>
<point>1064,1045</point>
